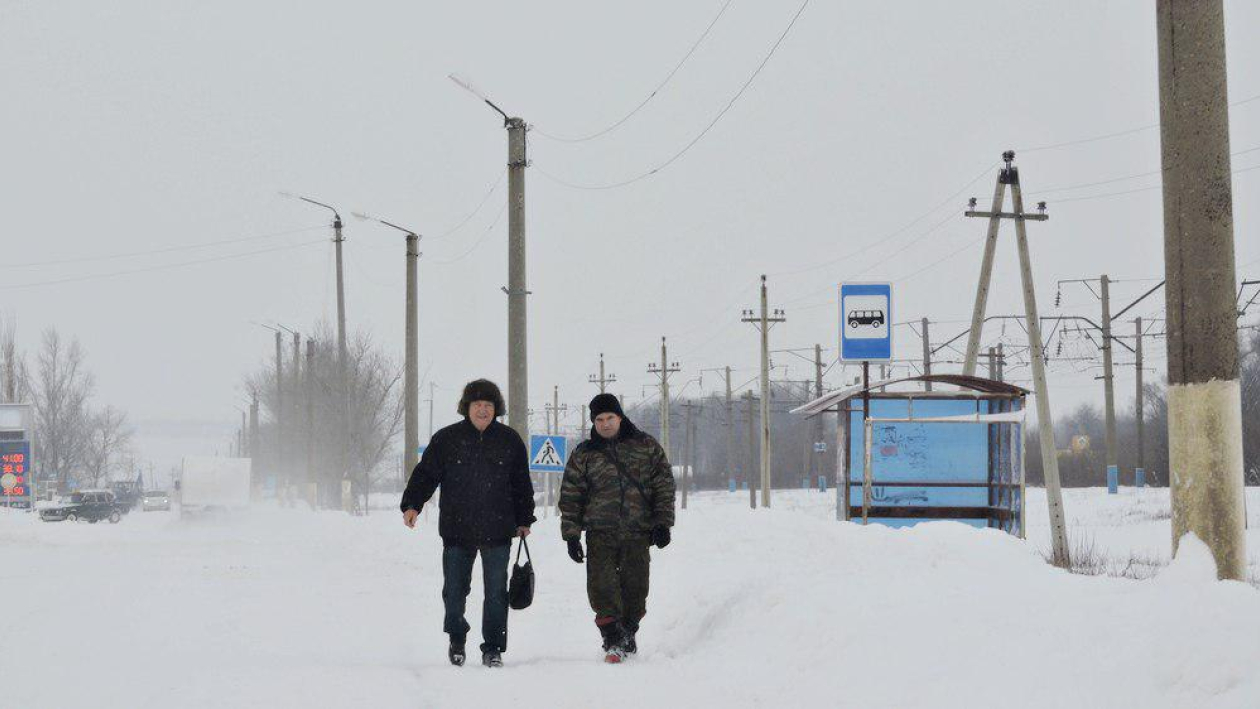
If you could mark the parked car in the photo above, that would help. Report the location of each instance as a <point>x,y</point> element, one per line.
<point>91,505</point>
<point>156,500</point>
<point>126,494</point>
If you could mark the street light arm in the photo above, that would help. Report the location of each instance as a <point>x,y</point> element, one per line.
<point>378,220</point>
<point>330,208</point>
<point>464,84</point>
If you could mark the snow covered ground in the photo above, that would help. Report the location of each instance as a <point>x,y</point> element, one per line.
<point>773,608</point>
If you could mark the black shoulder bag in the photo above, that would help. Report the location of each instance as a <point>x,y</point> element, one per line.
<point>521,587</point>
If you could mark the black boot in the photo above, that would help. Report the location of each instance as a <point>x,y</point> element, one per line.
<point>614,642</point>
<point>491,658</point>
<point>628,642</point>
<point>456,652</point>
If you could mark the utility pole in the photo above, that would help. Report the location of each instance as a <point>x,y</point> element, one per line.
<point>1109,390</point>
<point>1009,177</point>
<point>280,410</point>
<point>1139,410</point>
<point>663,371</point>
<point>411,375</point>
<point>818,456</point>
<point>254,453</point>
<point>752,452</point>
<point>310,414</point>
<point>927,355</point>
<point>602,380</point>
<point>730,426</point>
<point>687,461</point>
<point>763,323</point>
<point>1204,397</point>
<point>518,369</point>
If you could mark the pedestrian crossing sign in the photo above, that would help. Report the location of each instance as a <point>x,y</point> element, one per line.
<point>547,453</point>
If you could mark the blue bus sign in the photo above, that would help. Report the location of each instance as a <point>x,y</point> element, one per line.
<point>865,322</point>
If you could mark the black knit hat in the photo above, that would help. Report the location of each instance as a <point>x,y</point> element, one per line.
<point>482,390</point>
<point>606,404</point>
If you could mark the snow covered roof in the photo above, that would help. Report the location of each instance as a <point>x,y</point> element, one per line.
<point>975,384</point>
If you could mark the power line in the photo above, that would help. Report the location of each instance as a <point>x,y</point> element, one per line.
<point>478,242</point>
<point>165,250</point>
<point>644,102</point>
<point>688,146</point>
<point>167,267</point>
<point>475,210</point>
<point>1117,134</point>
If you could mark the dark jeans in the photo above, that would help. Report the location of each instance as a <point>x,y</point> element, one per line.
<point>457,564</point>
<point>617,576</point>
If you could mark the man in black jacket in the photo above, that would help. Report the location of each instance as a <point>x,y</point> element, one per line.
<point>487,498</point>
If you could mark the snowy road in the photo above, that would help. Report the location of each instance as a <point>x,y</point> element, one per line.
<point>775,608</point>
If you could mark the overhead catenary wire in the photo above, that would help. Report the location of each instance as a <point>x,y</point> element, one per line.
<point>672,159</point>
<point>617,124</point>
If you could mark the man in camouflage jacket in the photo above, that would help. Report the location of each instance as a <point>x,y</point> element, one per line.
<point>618,488</point>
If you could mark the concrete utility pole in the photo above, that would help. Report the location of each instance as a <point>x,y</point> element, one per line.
<point>280,416</point>
<point>1009,177</point>
<point>253,429</point>
<point>688,452</point>
<point>1204,397</point>
<point>310,415</point>
<point>602,380</point>
<point>818,456</point>
<point>763,322</point>
<point>663,371</point>
<point>411,357</point>
<point>927,354</point>
<point>752,452</point>
<point>1139,408</point>
<point>1109,389</point>
<point>730,426</point>
<point>518,368</point>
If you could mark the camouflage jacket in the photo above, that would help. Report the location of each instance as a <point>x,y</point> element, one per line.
<point>596,496</point>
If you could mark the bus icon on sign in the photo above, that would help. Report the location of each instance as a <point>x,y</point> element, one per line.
<point>874,318</point>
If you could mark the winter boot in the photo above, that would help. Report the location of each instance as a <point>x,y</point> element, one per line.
<point>628,642</point>
<point>614,641</point>
<point>456,653</point>
<point>491,658</point>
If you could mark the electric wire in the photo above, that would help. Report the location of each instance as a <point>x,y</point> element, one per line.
<point>642,176</point>
<point>164,267</point>
<point>477,243</point>
<point>164,250</point>
<point>650,96</point>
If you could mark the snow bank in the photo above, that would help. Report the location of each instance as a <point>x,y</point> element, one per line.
<point>780,607</point>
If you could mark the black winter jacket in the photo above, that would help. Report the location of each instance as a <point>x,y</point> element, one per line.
<point>484,476</point>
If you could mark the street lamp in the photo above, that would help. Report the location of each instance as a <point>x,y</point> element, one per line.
<point>411,382</point>
<point>518,370</point>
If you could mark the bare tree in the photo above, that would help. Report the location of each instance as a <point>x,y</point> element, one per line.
<point>13,380</point>
<point>59,389</point>
<point>108,445</point>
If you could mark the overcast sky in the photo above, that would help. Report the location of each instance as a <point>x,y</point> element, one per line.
<point>133,127</point>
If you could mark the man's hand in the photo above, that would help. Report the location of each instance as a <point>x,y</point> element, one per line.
<point>409,518</point>
<point>522,532</point>
<point>660,537</point>
<point>575,550</point>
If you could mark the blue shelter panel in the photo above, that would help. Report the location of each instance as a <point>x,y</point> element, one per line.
<point>931,452</point>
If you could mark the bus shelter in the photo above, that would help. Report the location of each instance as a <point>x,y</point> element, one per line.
<point>934,447</point>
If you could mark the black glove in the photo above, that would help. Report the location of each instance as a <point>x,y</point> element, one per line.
<point>660,537</point>
<point>575,550</point>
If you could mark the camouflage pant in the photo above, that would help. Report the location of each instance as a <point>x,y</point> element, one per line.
<point>617,575</point>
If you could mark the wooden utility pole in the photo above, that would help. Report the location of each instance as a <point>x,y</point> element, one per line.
<point>1204,396</point>
<point>602,380</point>
<point>763,322</point>
<point>663,371</point>
<point>1008,177</point>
